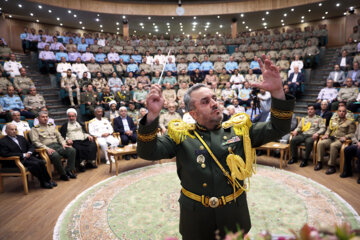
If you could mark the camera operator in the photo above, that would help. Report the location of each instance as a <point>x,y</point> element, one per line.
<point>264,100</point>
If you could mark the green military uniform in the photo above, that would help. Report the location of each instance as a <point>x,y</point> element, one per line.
<point>273,55</point>
<point>99,84</point>
<point>297,51</point>
<point>337,128</point>
<point>37,102</point>
<point>23,83</point>
<point>190,57</point>
<point>199,174</point>
<point>249,56</point>
<point>348,94</point>
<point>70,84</point>
<point>181,66</point>
<point>306,128</point>
<point>169,95</point>
<point>179,57</point>
<point>94,48</point>
<point>92,98</point>
<point>237,56</point>
<point>48,137</point>
<point>285,52</point>
<point>4,84</point>
<point>223,79</point>
<point>122,97</point>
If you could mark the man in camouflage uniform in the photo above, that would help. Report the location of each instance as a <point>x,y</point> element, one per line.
<point>34,101</point>
<point>340,129</point>
<point>308,130</point>
<point>46,136</point>
<point>23,83</point>
<point>69,83</point>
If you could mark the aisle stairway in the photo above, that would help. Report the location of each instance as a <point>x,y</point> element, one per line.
<point>44,87</point>
<point>316,81</point>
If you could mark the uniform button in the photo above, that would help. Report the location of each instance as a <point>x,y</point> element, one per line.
<point>225,137</point>
<point>230,149</point>
<point>204,185</point>
<point>201,147</point>
<point>203,165</point>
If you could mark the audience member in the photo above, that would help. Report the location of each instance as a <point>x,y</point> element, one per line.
<point>329,93</point>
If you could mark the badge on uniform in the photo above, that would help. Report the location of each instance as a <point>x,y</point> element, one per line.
<point>232,140</point>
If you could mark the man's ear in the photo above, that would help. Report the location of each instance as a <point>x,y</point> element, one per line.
<point>193,114</point>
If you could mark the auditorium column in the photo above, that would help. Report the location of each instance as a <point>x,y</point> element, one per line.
<point>233,29</point>
<point>126,30</point>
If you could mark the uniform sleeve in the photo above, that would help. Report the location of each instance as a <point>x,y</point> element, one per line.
<point>352,128</point>
<point>279,124</point>
<point>322,126</point>
<point>298,128</point>
<point>152,147</point>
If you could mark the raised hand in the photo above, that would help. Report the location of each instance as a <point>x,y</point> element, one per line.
<point>272,80</point>
<point>154,102</point>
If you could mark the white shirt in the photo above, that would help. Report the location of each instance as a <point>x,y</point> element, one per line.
<point>113,57</point>
<point>293,80</point>
<point>99,127</point>
<point>21,126</point>
<point>101,42</point>
<point>125,124</point>
<point>79,68</point>
<point>343,62</point>
<point>149,60</point>
<point>188,118</point>
<point>63,67</point>
<point>161,58</point>
<point>47,55</point>
<point>12,66</point>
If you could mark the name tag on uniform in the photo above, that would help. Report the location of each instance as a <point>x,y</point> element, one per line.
<point>232,140</point>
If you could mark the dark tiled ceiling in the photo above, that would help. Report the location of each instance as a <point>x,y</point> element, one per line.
<point>172,25</point>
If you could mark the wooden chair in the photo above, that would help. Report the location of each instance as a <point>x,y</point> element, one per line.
<point>96,142</point>
<point>21,171</point>
<point>42,152</point>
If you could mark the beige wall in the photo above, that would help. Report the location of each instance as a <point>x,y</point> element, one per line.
<point>195,9</point>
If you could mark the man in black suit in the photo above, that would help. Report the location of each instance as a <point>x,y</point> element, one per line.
<point>295,81</point>
<point>126,127</point>
<point>16,145</point>
<point>324,112</point>
<point>344,61</point>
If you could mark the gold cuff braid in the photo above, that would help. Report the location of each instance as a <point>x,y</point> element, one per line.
<point>147,137</point>
<point>280,114</point>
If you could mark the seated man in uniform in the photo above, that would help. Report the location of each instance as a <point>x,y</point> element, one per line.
<point>308,130</point>
<point>23,83</point>
<point>21,126</point>
<point>207,200</point>
<point>16,145</point>
<point>126,127</point>
<point>166,117</point>
<point>34,101</point>
<point>46,136</point>
<point>101,128</point>
<point>340,129</point>
<point>76,136</point>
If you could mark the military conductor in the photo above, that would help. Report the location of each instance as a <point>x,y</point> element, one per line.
<point>209,154</point>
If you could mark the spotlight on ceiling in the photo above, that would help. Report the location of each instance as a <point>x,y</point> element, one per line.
<point>351,10</point>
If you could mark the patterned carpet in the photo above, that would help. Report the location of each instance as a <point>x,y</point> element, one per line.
<point>142,204</point>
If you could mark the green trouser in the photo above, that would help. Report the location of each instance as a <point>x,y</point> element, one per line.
<point>69,153</point>
<point>297,140</point>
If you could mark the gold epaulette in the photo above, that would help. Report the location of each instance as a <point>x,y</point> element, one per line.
<point>50,124</point>
<point>92,120</point>
<point>178,130</point>
<point>36,126</point>
<point>238,122</point>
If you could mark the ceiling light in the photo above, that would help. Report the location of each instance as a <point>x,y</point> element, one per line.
<point>282,20</point>
<point>61,24</point>
<point>180,23</point>
<point>101,30</point>
<point>10,16</point>
<point>142,27</point>
<point>172,17</point>
<point>166,33</point>
<point>338,4</point>
<point>218,16</point>
<point>183,33</point>
<point>246,27</point>
<point>265,27</point>
<point>243,22</point>
<point>194,23</point>
<point>40,6</point>
<point>124,17</point>
<point>250,30</point>
<point>117,23</point>
<point>302,20</point>
<point>153,24</point>
<point>193,29</point>
<point>208,23</point>
<point>242,15</point>
<point>98,15</point>
<point>345,13</point>
<point>167,23</point>
<point>267,13</point>
<point>169,30</point>
<point>217,32</point>
<point>58,18</point>
<point>134,31</point>
<point>292,9</point>
<point>20,6</point>
<point>31,14</point>
<point>302,17</point>
<point>264,23</point>
<point>326,12</point>
<point>320,4</point>
<point>149,33</point>
<point>283,24</point>
<point>156,30</point>
<point>117,32</point>
<point>141,24</point>
<point>194,17</point>
<point>149,18</point>
<point>285,14</point>
<point>101,26</point>
<point>168,26</point>
<point>75,15</point>
<point>50,11</point>
<point>309,10</point>
<point>69,11</point>
<point>80,22</point>
<point>323,17</point>
<point>117,28</point>
<point>37,20</point>
<point>221,26</point>
<point>96,19</point>
<point>83,27</point>
<point>263,19</point>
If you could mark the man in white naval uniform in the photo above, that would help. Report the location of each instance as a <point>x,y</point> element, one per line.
<point>101,128</point>
<point>21,126</point>
<point>12,67</point>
